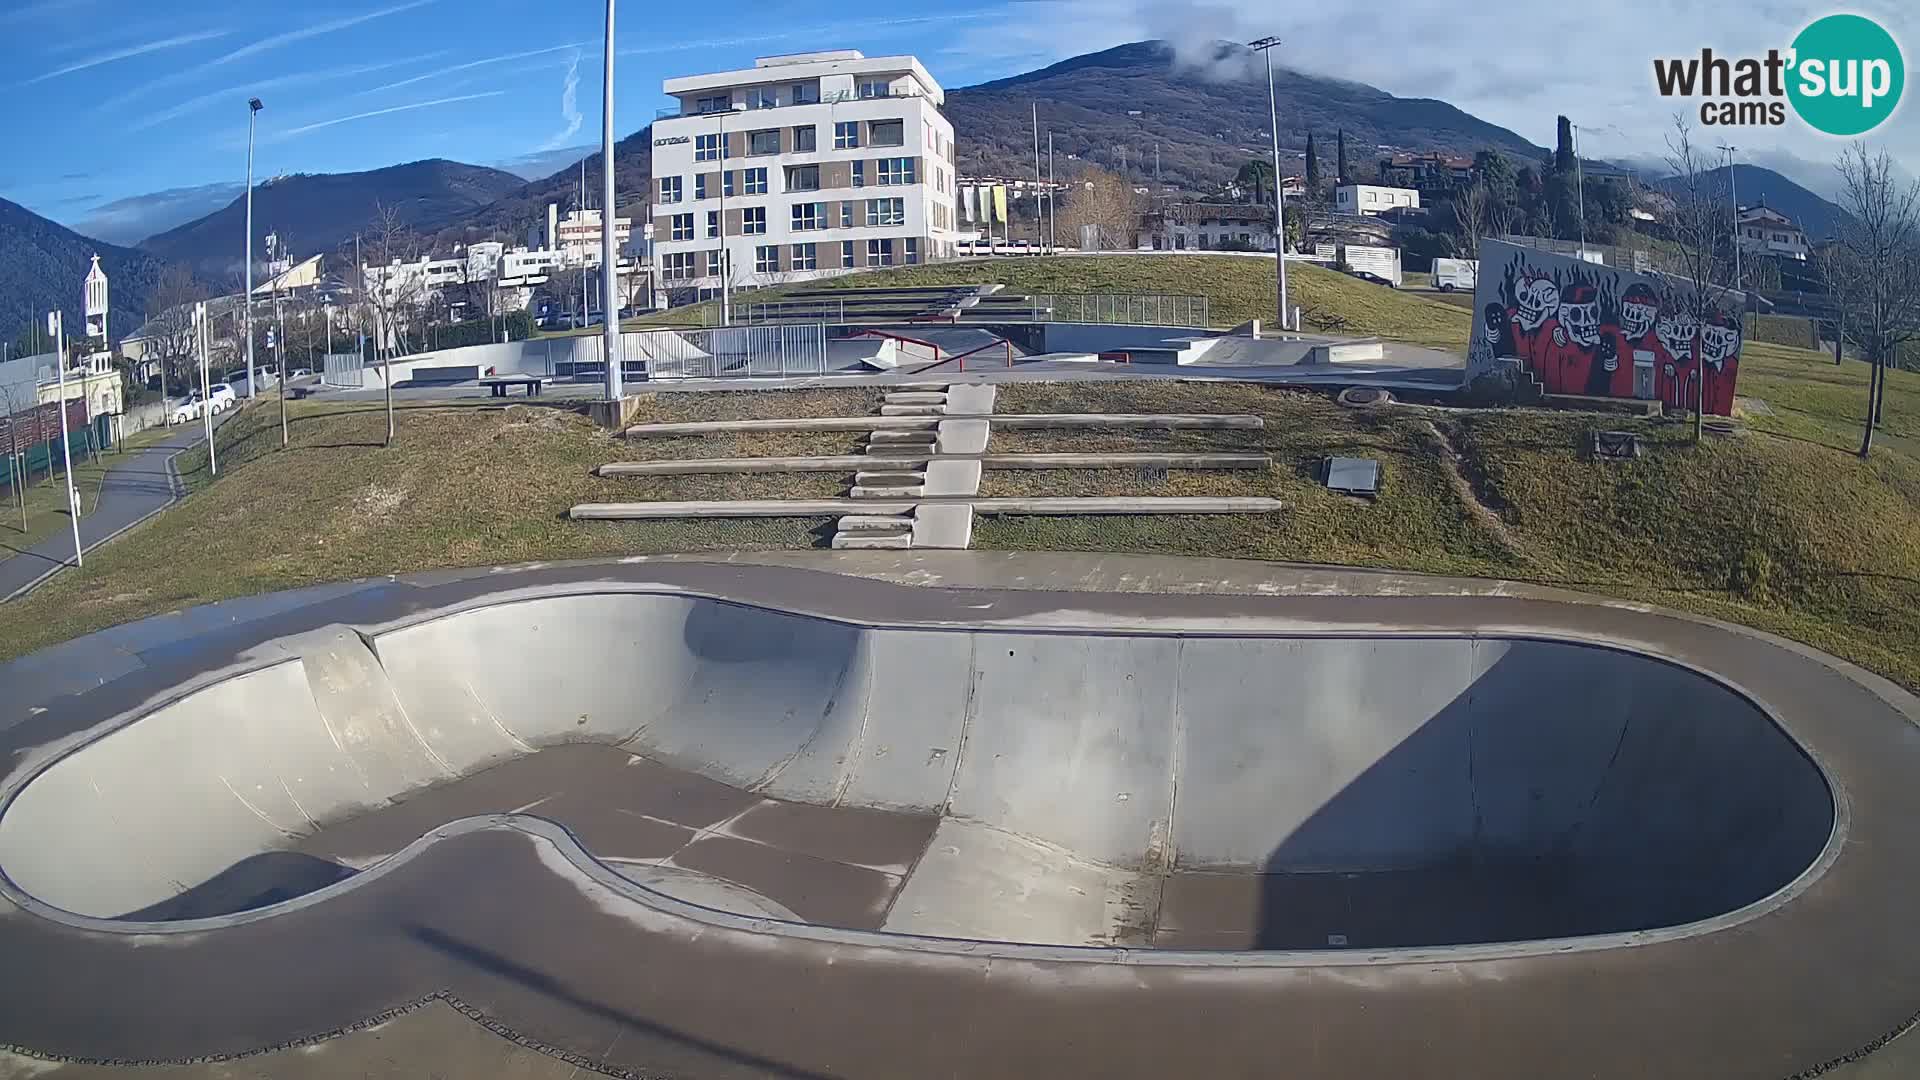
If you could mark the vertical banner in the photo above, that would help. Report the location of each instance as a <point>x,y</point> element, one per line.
<point>1000,203</point>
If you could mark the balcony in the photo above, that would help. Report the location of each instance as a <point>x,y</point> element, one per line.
<point>678,112</point>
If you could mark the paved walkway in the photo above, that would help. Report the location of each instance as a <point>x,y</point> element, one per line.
<point>137,484</point>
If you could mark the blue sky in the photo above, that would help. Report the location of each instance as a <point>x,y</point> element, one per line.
<point>115,99</point>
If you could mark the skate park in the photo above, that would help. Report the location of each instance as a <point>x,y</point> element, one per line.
<point>1019,817</point>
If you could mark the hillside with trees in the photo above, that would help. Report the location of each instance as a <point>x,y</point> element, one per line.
<point>44,266</point>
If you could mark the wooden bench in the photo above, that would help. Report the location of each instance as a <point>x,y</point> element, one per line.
<point>499,385</point>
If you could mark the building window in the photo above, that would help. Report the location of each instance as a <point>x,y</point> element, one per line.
<point>678,265</point>
<point>681,227</point>
<point>756,181</point>
<point>846,215</point>
<point>896,170</point>
<point>859,174</point>
<point>699,185</point>
<point>846,253</point>
<point>753,220</point>
<point>713,224</point>
<point>726,183</point>
<point>762,97</point>
<point>764,142</point>
<point>886,133</point>
<point>713,104</point>
<point>706,147</point>
<point>913,249</point>
<point>846,135</point>
<point>886,212</point>
<point>809,216</point>
<point>804,257</point>
<point>766,259</point>
<point>873,89</point>
<point>803,139</point>
<point>669,189</point>
<point>805,93</point>
<point>803,178</point>
<point>880,252</point>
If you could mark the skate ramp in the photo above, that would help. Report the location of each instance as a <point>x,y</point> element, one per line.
<point>1351,790</point>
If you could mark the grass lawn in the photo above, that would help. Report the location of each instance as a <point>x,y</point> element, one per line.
<point>46,497</point>
<point>1781,533</point>
<point>1813,399</point>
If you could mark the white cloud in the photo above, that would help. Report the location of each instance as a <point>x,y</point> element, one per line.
<point>130,51</point>
<point>317,125</point>
<point>569,106</point>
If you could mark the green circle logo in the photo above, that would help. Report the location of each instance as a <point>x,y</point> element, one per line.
<point>1847,74</point>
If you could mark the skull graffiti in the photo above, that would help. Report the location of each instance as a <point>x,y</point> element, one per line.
<point>1676,333</point>
<point>1539,298</point>
<point>1719,341</point>
<point>1638,310</point>
<point>1494,320</point>
<point>1580,314</point>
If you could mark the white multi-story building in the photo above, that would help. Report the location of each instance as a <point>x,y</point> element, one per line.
<point>1767,230</point>
<point>1373,199</point>
<point>802,166</point>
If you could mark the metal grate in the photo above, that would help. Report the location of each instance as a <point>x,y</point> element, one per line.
<point>781,351</point>
<point>1353,476</point>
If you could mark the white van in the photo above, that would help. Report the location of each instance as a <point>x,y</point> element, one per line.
<point>1451,274</point>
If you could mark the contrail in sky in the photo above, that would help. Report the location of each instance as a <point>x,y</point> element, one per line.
<point>122,54</point>
<point>304,128</point>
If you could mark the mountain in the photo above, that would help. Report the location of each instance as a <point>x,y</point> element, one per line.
<point>321,212</point>
<point>132,219</point>
<point>45,265</point>
<point>1208,113</point>
<point>509,216</point>
<point>1754,185</point>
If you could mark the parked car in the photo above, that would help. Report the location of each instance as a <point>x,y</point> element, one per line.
<point>221,395</point>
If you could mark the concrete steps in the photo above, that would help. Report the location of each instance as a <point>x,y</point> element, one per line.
<point>891,478</point>
<point>913,410</point>
<point>915,397</point>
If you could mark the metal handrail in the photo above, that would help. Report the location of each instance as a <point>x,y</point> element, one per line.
<point>824,99</point>
<point>961,358</point>
<point>900,337</point>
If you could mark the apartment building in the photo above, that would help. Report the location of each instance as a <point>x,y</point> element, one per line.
<point>1373,198</point>
<point>802,166</point>
<point>1768,231</point>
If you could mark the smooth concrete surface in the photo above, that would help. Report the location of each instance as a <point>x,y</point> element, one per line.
<point>952,476</point>
<point>973,399</point>
<point>857,463</point>
<point>886,500</point>
<point>1619,763</point>
<point>942,525</point>
<point>739,508</point>
<point>962,436</point>
<point>1130,504</point>
<point>909,423</point>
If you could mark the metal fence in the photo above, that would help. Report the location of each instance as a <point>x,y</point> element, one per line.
<point>783,351</point>
<point>1129,309</point>
<point>344,369</point>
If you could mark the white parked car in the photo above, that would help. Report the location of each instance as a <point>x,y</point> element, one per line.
<point>222,397</point>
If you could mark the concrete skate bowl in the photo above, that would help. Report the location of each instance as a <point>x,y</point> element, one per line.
<point>1062,788</point>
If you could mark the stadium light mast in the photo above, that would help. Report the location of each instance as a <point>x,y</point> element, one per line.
<point>246,302</point>
<point>1265,47</point>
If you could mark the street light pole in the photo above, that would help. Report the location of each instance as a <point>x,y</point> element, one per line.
<point>1579,187</point>
<point>1265,47</point>
<point>609,269</point>
<point>246,302</point>
<point>726,263</point>
<point>58,328</point>
<point>1733,190</point>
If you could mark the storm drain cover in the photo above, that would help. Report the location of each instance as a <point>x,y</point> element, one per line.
<point>1353,476</point>
<point>1616,445</point>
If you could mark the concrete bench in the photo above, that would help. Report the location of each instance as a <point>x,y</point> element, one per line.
<point>499,385</point>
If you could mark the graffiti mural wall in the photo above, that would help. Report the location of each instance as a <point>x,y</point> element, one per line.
<point>1583,328</point>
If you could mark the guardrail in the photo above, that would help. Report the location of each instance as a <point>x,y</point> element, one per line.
<point>1127,309</point>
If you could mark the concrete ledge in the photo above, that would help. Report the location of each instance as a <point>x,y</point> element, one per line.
<point>735,508</point>
<point>1208,421</point>
<point>916,397</point>
<point>889,478</point>
<point>1126,461</point>
<point>943,525</point>
<point>865,493</point>
<point>895,542</point>
<point>1211,421</point>
<point>613,414</point>
<point>1129,505</point>
<point>808,423</point>
<point>953,476</point>
<point>903,460</point>
<point>920,437</point>
<point>848,463</point>
<point>875,523</point>
<point>913,410</point>
<point>963,436</point>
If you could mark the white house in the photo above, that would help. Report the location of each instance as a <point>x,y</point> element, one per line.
<point>1766,230</point>
<point>1372,199</point>
<point>801,166</point>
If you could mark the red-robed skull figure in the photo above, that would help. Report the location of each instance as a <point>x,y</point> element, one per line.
<point>1631,344</point>
<point>1676,332</point>
<point>1533,323</point>
<point>1719,361</point>
<point>1576,340</point>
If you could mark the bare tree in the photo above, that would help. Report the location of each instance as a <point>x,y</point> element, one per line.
<point>1876,267</point>
<point>1107,202</point>
<point>1702,227</point>
<point>395,249</point>
<point>171,331</point>
<point>1470,211</point>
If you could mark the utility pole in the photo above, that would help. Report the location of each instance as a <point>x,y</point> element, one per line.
<point>609,268</point>
<point>1265,47</point>
<point>206,388</point>
<point>1733,191</point>
<point>583,258</point>
<point>1053,208</point>
<point>246,302</point>
<point>1039,215</point>
<point>1579,187</point>
<point>57,327</point>
<point>280,358</point>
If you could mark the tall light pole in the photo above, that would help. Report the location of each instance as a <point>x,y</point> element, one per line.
<point>1733,191</point>
<point>609,271</point>
<point>1579,187</point>
<point>57,327</point>
<point>246,302</point>
<point>1265,47</point>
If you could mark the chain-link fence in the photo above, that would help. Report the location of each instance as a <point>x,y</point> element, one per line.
<point>1129,309</point>
<point>785,351</point>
